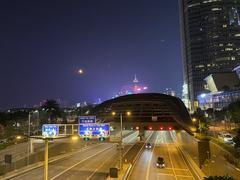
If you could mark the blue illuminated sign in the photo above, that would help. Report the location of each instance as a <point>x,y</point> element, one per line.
<point>50,130</point>
<point>94,130</point>
<point>87,119</point>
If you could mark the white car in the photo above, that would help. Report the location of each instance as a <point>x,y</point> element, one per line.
<point>228,138</point>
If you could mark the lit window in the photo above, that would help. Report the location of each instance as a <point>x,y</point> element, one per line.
<point>224,25</point>
<point>216,9</point>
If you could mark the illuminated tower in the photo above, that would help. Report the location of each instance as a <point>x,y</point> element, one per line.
<point>135,79</point>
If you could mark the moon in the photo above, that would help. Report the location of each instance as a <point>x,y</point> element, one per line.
<point>80,71</point>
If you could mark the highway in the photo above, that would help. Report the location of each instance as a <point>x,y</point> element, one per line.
<point>163,145</point>
<point>93,162</point>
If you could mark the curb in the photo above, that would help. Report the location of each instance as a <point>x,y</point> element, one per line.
<point>197,171</point>
<point>125,176</point>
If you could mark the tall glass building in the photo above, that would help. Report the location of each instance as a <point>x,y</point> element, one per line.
<point>210,42</point>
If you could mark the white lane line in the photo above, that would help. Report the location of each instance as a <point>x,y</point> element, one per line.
<point>138,156</point>
<point>79,163</point>
<point>170,158</point>
<point>104,162</point>
<point>150,159</point>
<point>181,155</point>
<point>185,176</point>
<point>177,169</point>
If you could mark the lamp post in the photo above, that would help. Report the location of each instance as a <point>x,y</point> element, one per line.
<point>128,113</point>
<point>29,133</point>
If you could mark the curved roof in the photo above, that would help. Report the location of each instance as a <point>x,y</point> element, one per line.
<point>145,106</point>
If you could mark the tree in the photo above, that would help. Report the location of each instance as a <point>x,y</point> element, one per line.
<point>234,111</point>
<point>236,139</point>
<point>52,110</point>
<point>203,127</point>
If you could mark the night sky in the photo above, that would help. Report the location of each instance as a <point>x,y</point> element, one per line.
<point>44,43</point>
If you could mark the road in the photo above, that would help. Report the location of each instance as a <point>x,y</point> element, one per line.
<point>91,163</point>
<point>163,145</point>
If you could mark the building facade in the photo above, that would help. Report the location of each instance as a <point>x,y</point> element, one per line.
<point>210,32</point>
<point>218,100</point>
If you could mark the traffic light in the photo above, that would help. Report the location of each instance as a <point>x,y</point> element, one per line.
<point>101,139</point>
<point>86,138</point>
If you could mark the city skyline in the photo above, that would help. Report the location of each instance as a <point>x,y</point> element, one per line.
<point>45,44</point>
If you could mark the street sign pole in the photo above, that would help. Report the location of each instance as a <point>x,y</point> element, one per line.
<point>46,160</point>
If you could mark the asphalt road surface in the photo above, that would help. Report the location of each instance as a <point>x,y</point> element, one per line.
<point>175,166</point>
<point>92,163</point>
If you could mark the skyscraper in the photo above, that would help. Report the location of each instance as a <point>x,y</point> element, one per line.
<point>210,41</point>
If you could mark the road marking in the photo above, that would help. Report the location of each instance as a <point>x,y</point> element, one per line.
<point>138,155</point>
<point>99,167</point>
<point>185,176</point>
<point>150,159</point>
<point>134,160</point>
<point>181,154</point>
<point>170,159</point>
<point>177,169</point>
<point>165,174</point>
<point>56,176</point>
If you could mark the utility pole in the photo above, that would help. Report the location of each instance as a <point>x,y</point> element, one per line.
<point>121,138</point>
<point>46,160</point>
<point>28,149</point>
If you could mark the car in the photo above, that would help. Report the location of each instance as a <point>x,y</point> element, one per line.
<point>160,162</point>
<point>228,138</point>
<point>148,146</point>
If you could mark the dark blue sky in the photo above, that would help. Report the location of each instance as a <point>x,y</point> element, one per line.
<point>44,43</point>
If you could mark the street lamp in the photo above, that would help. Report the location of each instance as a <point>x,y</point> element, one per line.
<point>128,113</point>
<point>75,138</point>
<point>29,132</point>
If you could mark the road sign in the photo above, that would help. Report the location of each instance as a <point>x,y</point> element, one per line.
<point>94,130</point>
<point>87,119</point>
<point>50,130</point>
